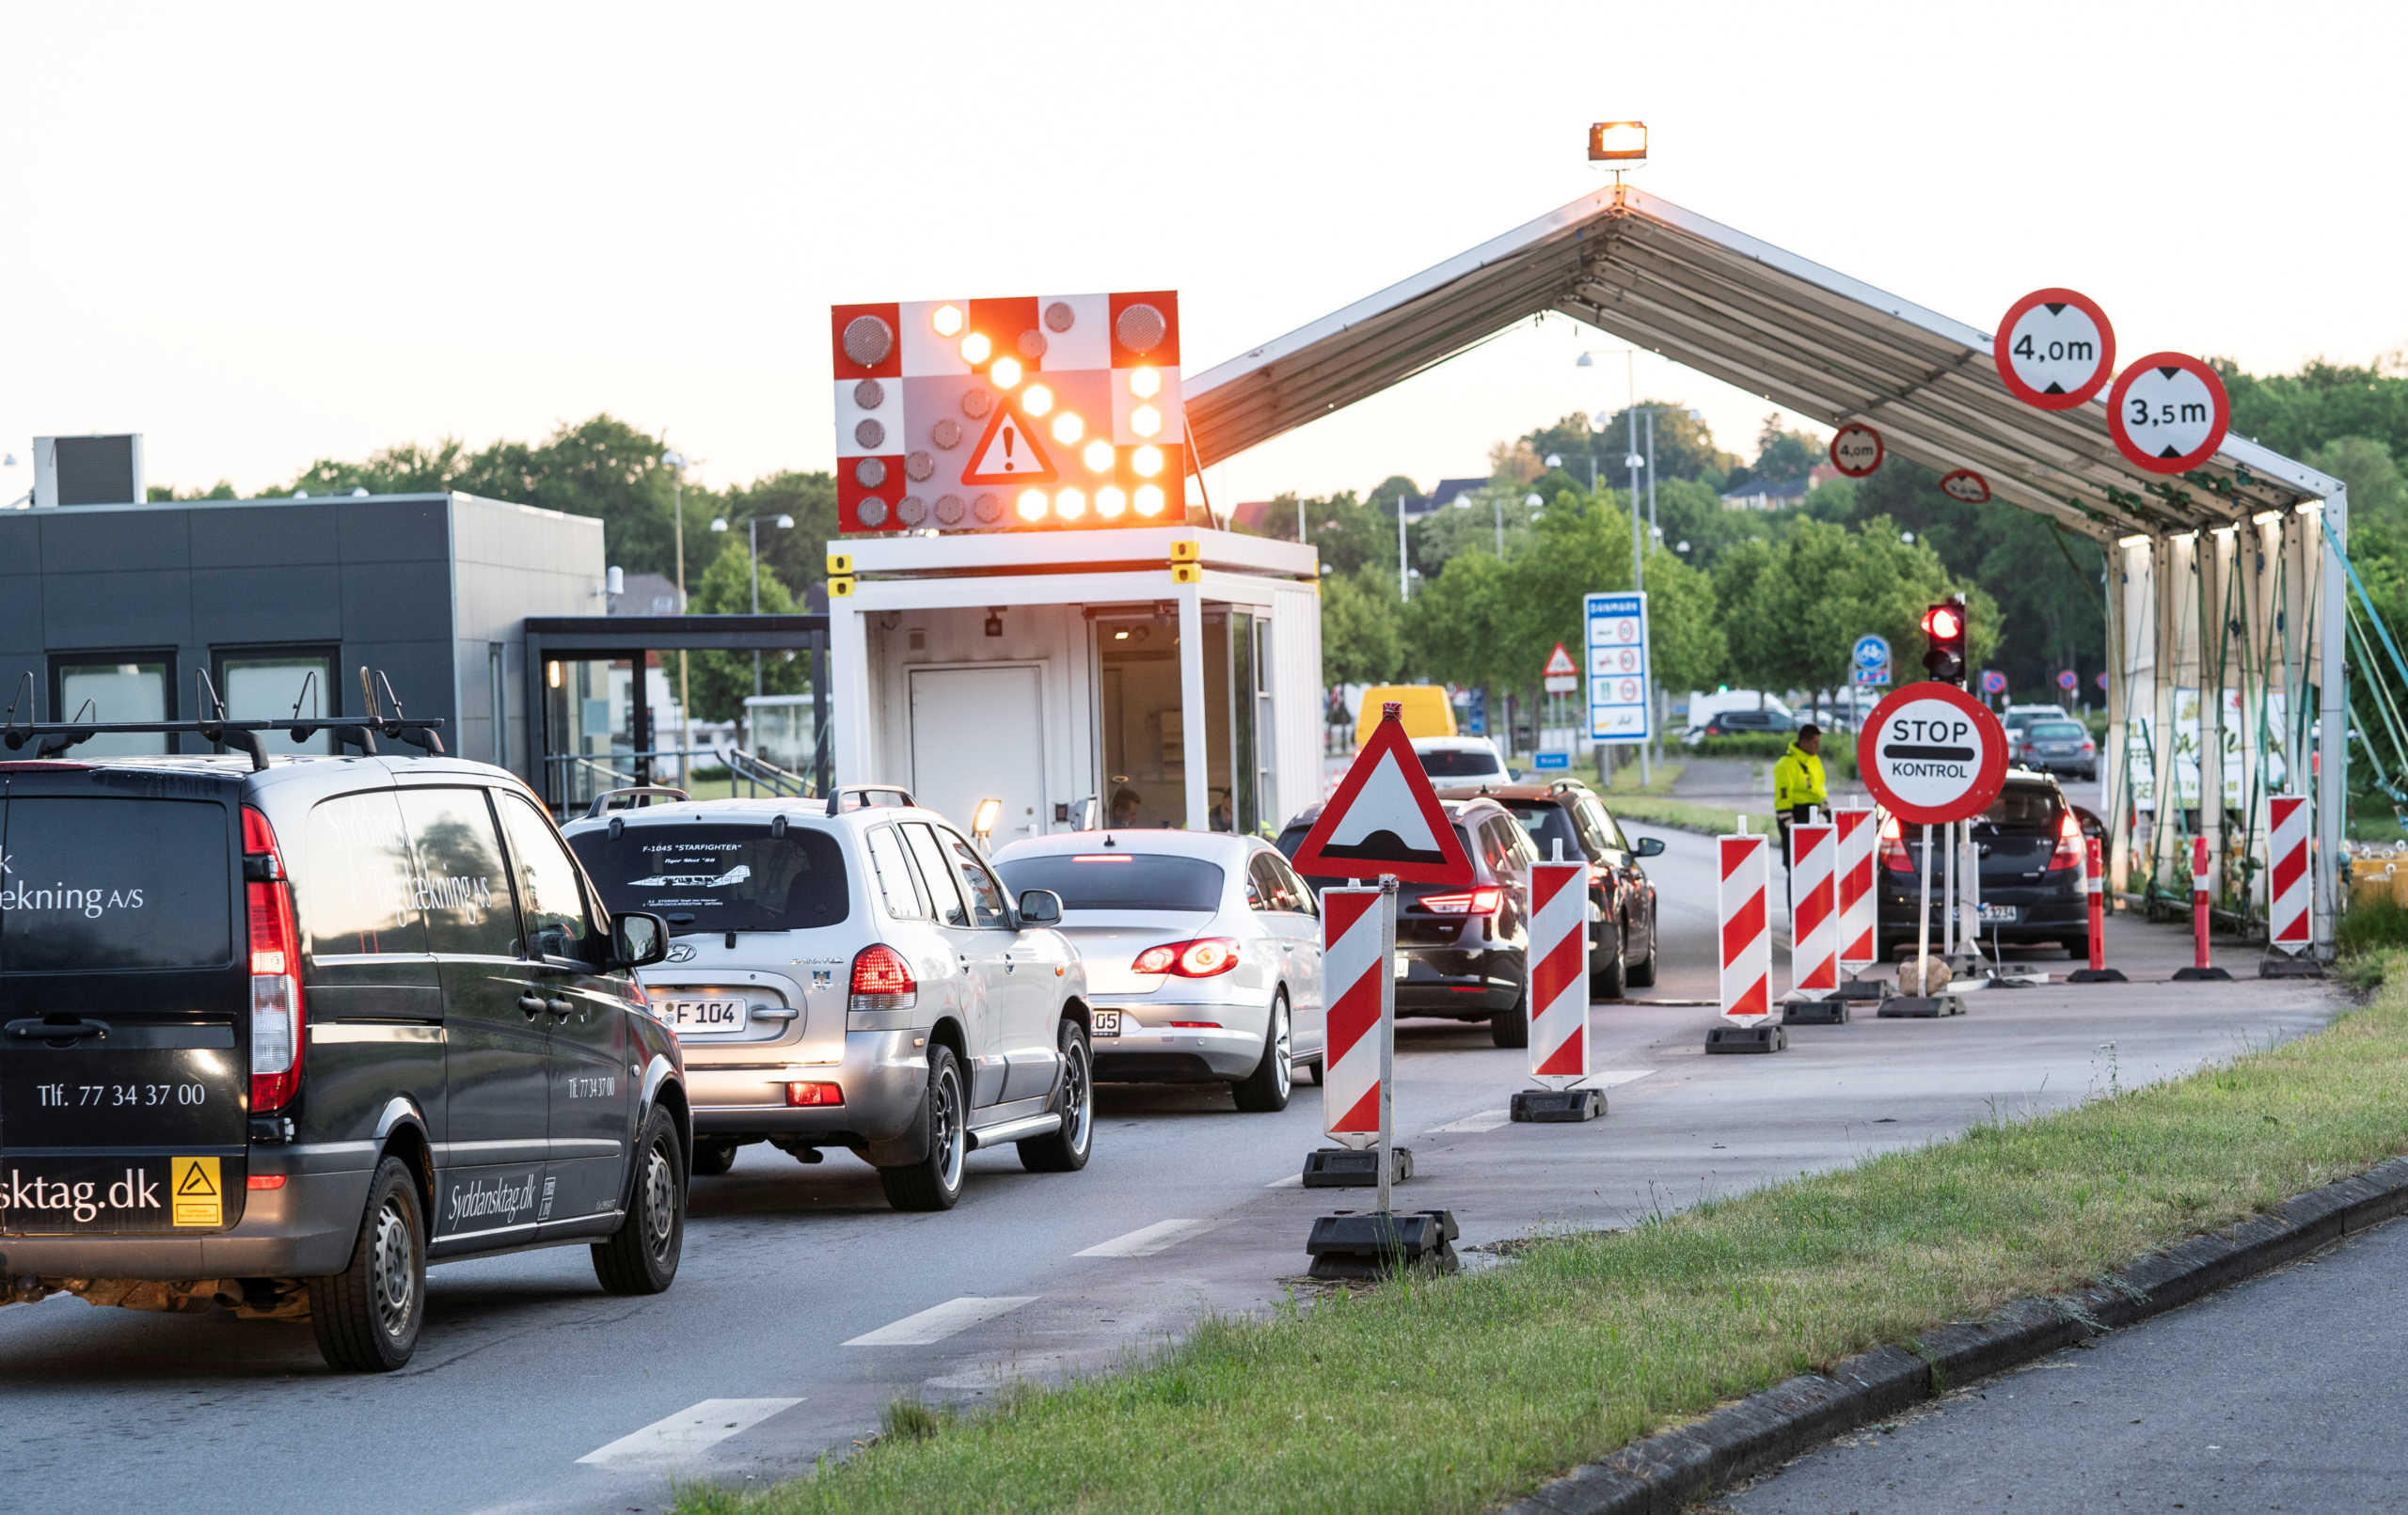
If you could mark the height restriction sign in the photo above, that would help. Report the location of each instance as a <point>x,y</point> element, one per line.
<point>1932,753</point>
<point>2054,349</point>
<point>2168,413</point>
<point>1856,450</point>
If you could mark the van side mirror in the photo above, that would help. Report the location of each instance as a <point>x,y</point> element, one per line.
<point>638,939</point>
<point>1647,846</point>
<point>1039,907</point>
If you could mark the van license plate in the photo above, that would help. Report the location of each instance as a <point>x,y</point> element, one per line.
<point>705,1017</point>
<point>1104,1022</point>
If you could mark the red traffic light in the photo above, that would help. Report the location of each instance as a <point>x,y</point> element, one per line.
<point>1944,623</point>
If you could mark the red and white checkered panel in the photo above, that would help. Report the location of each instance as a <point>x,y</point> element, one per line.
<point>1050,411</point>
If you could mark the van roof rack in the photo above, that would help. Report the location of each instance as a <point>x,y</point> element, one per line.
<point>866,797</point>
<point>53,737</point>
<point>602,801</point>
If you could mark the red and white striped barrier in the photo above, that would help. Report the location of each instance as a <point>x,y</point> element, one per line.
<point>1814,912</point>
<point>1746,877</point>
<point>2287,890</point>
<point>1358,979</point>
<point>1858,904</point>
<point>1559,959</point>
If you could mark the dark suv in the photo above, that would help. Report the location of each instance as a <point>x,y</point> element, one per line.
<point>1460,952</point>
<point>1621,902</point>
<point>2029,842</point>
<point>276,1034</point>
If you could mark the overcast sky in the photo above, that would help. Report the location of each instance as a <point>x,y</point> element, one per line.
<point>263,235</point>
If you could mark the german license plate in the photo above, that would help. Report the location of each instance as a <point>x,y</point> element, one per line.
<point>1104,1022</point>
<point>1998,914</point>
<point>705,1017</point>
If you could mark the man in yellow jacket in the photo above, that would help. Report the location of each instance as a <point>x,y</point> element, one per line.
<point>1797,785</point>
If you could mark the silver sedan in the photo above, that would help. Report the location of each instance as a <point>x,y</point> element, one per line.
<point>1202,954</point>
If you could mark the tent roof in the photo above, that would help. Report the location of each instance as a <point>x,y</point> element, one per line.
<point>1807,337</point>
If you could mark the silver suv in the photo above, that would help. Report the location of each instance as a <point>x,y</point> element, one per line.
<point>848,972</point>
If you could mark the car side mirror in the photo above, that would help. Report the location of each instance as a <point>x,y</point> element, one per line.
<point>638,939</point>
<point>1041,908</point>
<point>1647,846</point>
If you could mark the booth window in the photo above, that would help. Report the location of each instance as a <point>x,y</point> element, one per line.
<point>130,686</point>
<point>266,683</point>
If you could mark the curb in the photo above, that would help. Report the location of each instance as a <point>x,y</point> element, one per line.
<point>1668,1471</point>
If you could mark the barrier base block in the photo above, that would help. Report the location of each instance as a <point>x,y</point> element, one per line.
<point>2201,975</point>
<point>2097,976</point>
<point>1831,1012</point>
<point>1920,1006</point>
<point>1374,1244</point>
<point>1545,1106</point>
<point>1762,1037</point>
<point>1866,988</point>
<point>1343,1167</point>
<point>2283,965</point>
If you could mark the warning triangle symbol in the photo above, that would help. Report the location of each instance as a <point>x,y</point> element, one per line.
<point>1008,452</point>
<point>1559,664</point>
<point>1385,818</point>
<point>197,1184</point>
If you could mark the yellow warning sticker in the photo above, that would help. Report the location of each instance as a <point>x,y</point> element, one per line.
<point>199,1197</point>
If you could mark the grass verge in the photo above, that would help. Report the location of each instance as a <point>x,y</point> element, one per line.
<point>1682,815</point>
<point>1450,1394</point>
<point>1660,779</point>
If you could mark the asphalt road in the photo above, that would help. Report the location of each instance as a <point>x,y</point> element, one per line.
<point>2277,1394</point>
<point>805,1304</point>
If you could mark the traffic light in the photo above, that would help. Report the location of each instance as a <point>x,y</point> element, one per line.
<point>1943,629</point>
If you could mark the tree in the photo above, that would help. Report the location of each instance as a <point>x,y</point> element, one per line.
<point>1362,635</point>
<point>723,680</point>
<point>799,556</point>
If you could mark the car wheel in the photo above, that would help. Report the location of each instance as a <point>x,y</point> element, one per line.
<point>1609,980</point>
<point>1066,1150</point>
<point>1265,1090</point>
<point>641,1257</point>
<point>711,1159</point>
<point>1642,973</point>
<point>934,1182</point>
<point>1512,1028</point>
<point>367,1316</point>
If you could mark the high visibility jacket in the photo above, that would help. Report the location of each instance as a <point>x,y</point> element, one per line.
<point>1798,780</point>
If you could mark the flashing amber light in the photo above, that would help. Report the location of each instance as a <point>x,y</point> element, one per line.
<point>1144,383</point>
<point>1147,461</point>
<point>1097,456</point>
<point>946,319</point>
<point>1618,142</point>
<point>1145,421</point>
<point>977,348</point>
<point>1034,400</point>
<point>1148,500</point>
<point>1111,502</point>
<point>1032,504</point>
<point>1007,372</point>
<point>1069,504</point>
<point>1067,427</point>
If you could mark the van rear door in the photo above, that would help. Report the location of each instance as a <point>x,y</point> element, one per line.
<point>124,996</point>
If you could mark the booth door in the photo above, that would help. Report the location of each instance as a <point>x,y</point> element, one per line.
<point>979,733</point>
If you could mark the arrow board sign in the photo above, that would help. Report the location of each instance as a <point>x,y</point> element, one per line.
<point>1008,452</point>
<point>2054,349</point>
<point>1384,819</point>
<point>1932,753</point>
<point>2168,413</point>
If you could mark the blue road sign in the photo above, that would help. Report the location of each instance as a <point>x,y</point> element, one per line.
<point>1993,682</point>
<point>1476,712</point>
<point>1870,658</point>
<point>1551,760</point>
<point>1620,709</point>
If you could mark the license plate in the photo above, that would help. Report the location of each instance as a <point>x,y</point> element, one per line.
<point>1104,1022</point>
<point>705,1017</point>
<point>2003,914</point>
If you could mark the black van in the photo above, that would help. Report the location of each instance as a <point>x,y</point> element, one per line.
<point>276,1034</point>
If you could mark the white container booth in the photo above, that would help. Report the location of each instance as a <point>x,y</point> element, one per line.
<point>1063,672</point>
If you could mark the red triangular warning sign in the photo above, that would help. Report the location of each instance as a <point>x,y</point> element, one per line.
<point>1559,665</point>
<point>1384,819</point>
<point>1008,452</point>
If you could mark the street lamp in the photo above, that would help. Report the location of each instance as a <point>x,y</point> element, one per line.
<point>675,463</point>
<point>753,545</point>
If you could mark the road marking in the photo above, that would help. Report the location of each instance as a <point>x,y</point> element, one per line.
<point>936,1324</point>
<point>686,1435</point>
<point>1610,1077</point>
<point>1487,1120</point>
<point>1160,1236</point>
<point>1294,1180</point>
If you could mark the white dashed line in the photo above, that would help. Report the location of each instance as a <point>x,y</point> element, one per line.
<point>686,1435</point>
<point>1609,1077</point>
<point>1294,1180</point>
<point>1160,1236</point>
<point>943,1320</point>
<point>1487,1120</point>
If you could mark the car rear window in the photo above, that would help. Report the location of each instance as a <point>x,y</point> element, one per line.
<point>93,884</point>
<point>1119,880</point>
<point>1290,839</point>
<point>720,878</point>
<point>1548,822</point>
<point>1459,763</point>
<point>2025,809</point>
<point>2057,730</point>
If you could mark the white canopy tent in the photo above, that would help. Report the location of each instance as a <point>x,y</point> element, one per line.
<point>2245,547</point>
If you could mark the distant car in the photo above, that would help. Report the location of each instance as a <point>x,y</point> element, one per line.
<point>1453,760</point>
<point>1622,943</point>
<point>1202,952</point>
<point>2014,719</point>
<point>1742,723</point>
<point>1460,952</point>
<point>2054,746</point>
<point>850,974</point>
<point>2029,842</point>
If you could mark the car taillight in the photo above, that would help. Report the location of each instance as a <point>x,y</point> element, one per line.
<point>2088,746</point>
<point>279,1024</point>
<point>882,980</point>
<point>1481,901</point>
<point>803,1095</point>
<point>2068,853</point>
<point>1893,846</point>
<point>1200,958</point>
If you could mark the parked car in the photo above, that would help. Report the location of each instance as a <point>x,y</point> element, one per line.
<point>850,973</point>
<point>281,1032</point>
<point>1702,706</point>
<point>1742,723</point>
<point>1202,952</point>
<point>2015,719</point>
<point>1621,902</point>
<point>2029,844</point>
<point>2062,746</point>
<point>1461,760</point>
<point>1461,950</point>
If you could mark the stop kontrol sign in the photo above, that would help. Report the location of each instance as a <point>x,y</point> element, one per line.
<point>1931,754</point>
